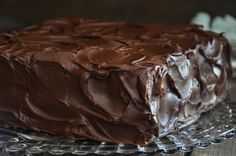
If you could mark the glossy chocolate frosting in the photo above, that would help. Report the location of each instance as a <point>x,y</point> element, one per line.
<point>110,81</point>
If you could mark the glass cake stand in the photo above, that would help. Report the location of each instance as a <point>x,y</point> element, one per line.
<point>211,128</point>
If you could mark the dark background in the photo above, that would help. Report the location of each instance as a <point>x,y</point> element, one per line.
<point>18,13</point>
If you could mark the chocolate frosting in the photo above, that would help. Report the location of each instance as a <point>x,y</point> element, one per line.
<point>110,81</point>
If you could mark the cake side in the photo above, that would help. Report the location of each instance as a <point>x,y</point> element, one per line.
<point>110,81</point>
<point>195,81</point>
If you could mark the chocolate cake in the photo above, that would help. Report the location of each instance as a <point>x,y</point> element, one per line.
<point>110,81</point>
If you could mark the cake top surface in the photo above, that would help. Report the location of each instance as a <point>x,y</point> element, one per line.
<point>107,44</point>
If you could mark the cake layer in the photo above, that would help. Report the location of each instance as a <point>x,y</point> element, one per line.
<point>110,81</point>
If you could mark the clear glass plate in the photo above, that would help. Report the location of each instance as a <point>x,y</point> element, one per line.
<point>210,128</point>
